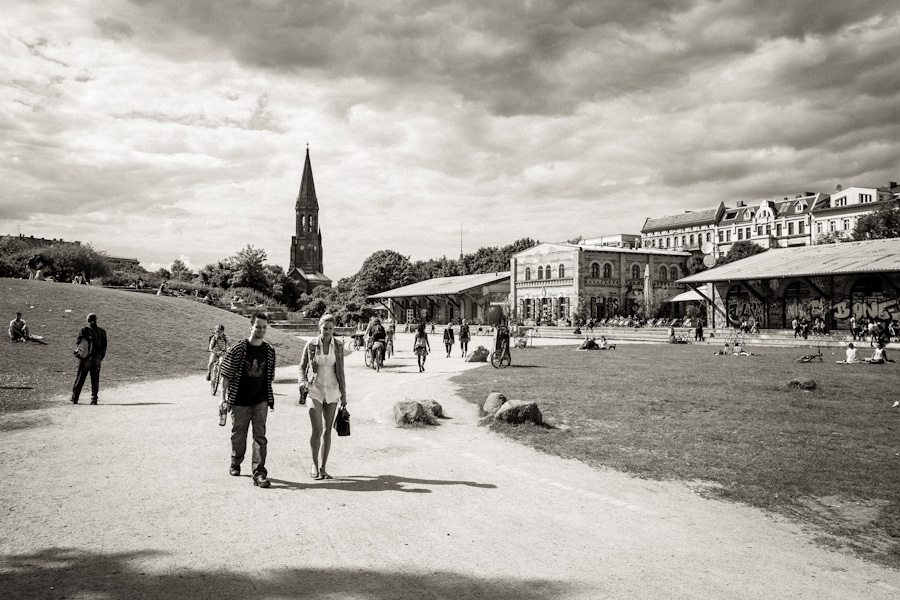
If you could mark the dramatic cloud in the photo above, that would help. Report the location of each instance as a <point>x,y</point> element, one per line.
<point>186,123</point>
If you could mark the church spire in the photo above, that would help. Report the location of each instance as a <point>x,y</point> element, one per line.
<point>307,195</point>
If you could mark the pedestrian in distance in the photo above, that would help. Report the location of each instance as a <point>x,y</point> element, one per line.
<point>247,374</point>
<point>698,332</point>
<point>322,376</point>
<point>217,346</point>
<point>449,338</point>
<point>90,364</point>
<point>421,346</point>
<point>464,338</point>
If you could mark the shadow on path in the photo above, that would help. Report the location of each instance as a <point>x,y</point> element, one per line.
<point>69,573</point>
<point>381,483</point>
<point>131,403</point>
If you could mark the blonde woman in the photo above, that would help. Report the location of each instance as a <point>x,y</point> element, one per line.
<point>322,375</point>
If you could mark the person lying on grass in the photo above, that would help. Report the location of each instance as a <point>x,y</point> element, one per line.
<point>588,344</point>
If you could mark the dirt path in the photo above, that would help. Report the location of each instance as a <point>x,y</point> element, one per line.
<point>132,499</point>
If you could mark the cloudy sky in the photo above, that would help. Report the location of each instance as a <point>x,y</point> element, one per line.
<point>160,129</point>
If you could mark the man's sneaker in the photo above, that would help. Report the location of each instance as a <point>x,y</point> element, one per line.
<point>74,400</point>
<point>94,400</point>
<point>261,481</point>
<point>234,471</point>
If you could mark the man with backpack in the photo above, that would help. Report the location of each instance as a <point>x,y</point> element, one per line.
<point>89,364</point>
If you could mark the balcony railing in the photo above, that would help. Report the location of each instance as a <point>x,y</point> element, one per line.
<point>545,282</point>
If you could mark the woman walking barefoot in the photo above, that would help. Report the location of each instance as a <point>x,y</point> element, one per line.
<point>421,346</point>
<point>322,374</point>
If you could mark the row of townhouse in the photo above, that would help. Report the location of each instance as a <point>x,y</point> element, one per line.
<point>805,219</point>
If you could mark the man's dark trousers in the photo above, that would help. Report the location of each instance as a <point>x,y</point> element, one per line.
<point>243,417</point>
<point>87,365</point>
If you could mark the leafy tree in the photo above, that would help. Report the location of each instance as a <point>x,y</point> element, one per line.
<point>250,270</point>
<point>883,223</point>
<point>832,237</point>
<point>218,274</point>
<point>741,250</point>
<point>383,270</point>
<point>163,273</point>
<point>65,261</point>
<point>180,271</point>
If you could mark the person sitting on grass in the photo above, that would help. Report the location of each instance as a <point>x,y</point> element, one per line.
<point>18,330</point>
<point>851,354</point>
<point>604,345</point>
<point>879,357</point>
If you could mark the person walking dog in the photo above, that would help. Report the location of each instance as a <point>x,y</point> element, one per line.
<point>90,364</point>
<point>247,374</point>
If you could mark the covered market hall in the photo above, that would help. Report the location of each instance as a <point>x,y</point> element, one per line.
<point>476,298</point>
<point>831,281</point>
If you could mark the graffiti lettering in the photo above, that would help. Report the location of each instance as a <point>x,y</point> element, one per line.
<point>750,308</point>
<point>869,308</point>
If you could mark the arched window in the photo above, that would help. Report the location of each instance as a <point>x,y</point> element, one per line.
<point>663,274</point>
<point>673,273</point>
<point>607,271</point>
<point>562,271</point>
<point>635,271</point>
<point>595,270</point>
<point>547,272</point>
<point>540,272</point>
<point>527,273</point>
<point>692,239</point>
<point>708,236</point>
<point>684,240</point>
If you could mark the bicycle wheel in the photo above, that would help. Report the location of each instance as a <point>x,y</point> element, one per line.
<point>368,357</point>
<point>214,380</point>
<point>505,360</point>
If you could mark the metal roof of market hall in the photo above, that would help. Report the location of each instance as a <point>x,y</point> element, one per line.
<point>444,286</point>
<point>869,256</point>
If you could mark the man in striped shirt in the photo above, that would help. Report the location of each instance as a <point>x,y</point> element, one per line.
<point>247,375</point>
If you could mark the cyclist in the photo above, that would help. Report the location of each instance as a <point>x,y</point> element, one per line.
<point>218,345</point>
<point>377,342</point>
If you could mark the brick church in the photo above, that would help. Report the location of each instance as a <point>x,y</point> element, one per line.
<point>306,246</point>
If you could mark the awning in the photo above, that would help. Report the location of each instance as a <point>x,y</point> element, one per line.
<point>690,296</point>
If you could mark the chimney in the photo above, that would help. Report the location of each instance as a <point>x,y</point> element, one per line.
<point>740,204</point>
<point>893,184</point>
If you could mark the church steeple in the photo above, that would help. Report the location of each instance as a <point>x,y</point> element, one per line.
<point>307,196</point>
<point>306,245</point>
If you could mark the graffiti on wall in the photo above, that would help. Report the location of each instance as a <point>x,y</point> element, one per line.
<point>744,306</point>
<point>877,307</point>
<point>796,308</point>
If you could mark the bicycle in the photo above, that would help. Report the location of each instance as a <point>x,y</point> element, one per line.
<point>377,355</point>
<point>216,375</point>
<point>500,358</point>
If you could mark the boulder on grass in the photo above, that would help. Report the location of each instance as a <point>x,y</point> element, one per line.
<point>493,403</point>
<point>802,383</point>
<point>408,411</point>
<point>519,411</point>
<point>433,407</point>
<point>480,354</point>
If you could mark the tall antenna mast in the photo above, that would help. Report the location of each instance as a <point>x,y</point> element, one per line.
<point>460,242</point>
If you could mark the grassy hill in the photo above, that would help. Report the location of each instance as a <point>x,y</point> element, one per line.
<point>150,337</point>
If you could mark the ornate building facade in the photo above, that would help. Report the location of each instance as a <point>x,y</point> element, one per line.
<point>306,246</point>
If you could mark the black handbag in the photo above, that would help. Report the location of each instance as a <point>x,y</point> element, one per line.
<point>342,422</point>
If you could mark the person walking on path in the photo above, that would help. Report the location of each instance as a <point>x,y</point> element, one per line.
<point>247,374</point>
<point>322,375</point>
<point>90,364</point>
<point>421,347</point>
<point>18,330</point>
<point>464,338</point>
<point>698,332</point>
<point>449,338</point>
<point>795,325</point>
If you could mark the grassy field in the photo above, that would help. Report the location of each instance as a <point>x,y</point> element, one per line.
<point>729,426</point>
<point>150,337</point>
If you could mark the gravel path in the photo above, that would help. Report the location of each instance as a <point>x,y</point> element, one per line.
<point>132,499</point>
